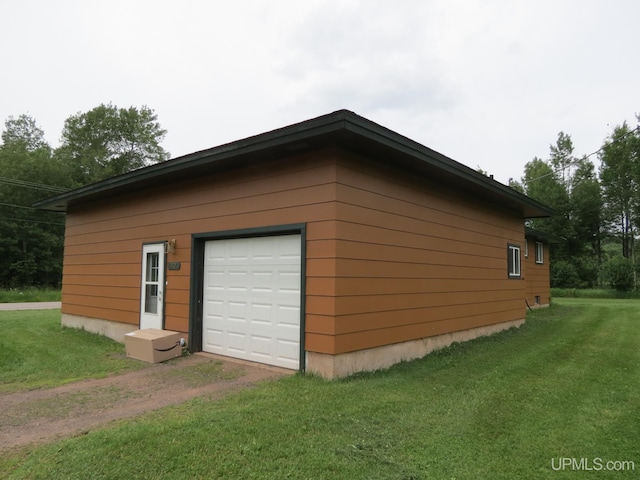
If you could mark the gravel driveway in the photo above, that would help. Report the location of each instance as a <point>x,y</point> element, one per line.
<point>40,416</point>
<point>30,306</point>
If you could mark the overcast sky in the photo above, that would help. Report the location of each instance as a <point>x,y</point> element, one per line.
<point>487,83</point>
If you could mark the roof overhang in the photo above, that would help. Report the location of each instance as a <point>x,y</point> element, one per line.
<point>542,236</point>
<point>343,129</point>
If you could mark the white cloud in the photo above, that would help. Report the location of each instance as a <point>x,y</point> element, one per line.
<point>488,83</point>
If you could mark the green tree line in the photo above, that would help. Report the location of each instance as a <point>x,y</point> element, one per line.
<point>597,210</point>
<point>97,144</point>
<point>596,219</point>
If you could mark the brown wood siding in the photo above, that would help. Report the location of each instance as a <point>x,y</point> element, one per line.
<point>103,243</point>
<point>536,275</point>
<point>389,259</point>
<point>411,260</point>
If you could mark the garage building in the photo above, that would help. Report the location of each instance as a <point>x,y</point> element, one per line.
<point>331,246</point>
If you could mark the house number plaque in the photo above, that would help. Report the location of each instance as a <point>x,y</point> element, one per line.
<point>173,266</point>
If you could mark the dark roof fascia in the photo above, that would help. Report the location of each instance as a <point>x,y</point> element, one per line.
<point>341,128</point>
<point>542,236</point>
<point>455,171</point>
<point>179,167</point>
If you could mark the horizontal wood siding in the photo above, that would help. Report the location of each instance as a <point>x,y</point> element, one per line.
<point>537,276</point>
<point>412,260</point>
<point>103,244</point>
<point>389,258</point>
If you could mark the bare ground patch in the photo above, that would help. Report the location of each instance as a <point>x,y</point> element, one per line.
<point>39,416</point>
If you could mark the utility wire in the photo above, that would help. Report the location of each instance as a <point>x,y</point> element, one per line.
<point>30,221</point>
<point>33,185</point>
<point>571,164</point>
<point>20,206</point>
<point>16,206</point>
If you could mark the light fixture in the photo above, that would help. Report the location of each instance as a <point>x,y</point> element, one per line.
<point>170,246</point>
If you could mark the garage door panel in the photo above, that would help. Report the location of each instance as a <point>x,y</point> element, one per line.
<point>237,281</point>
<point>261,345</point>
<point>288,316</point>
<point>262,313</point>
<point>213,338</point>
<point>236,311</point>
<point>289,282</point>
<point>252,299</point>
<point>288,354</point>
<point>293,260</point>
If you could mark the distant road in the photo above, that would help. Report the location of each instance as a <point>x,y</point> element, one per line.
<point>30,306</point>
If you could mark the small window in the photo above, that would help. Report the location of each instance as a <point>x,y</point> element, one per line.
<point>539,252</point>
<point>513,256</point>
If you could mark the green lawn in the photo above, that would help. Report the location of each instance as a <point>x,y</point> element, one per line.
<point>36,352</point>
<point>29,294</point>
<point>593,293</point>
<point>565,385</point>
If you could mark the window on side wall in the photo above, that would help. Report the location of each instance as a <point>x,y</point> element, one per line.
<point>539,252</point>
<point>513,257</point>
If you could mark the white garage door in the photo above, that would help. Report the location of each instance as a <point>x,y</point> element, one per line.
<point>251,299</point>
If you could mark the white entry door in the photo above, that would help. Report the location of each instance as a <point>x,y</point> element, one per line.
<point>251,299</point>
<point>152,293</point>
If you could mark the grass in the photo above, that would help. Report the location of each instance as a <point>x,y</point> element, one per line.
<point>198,375</point>
<point>36,352</point>
<point>66,405</point>
<point>593,293</point>
<point>29,294</point>
<point>565,385</point>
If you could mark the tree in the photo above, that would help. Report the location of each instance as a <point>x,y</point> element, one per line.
<point>570,186</point>
<point>517,186</point>
<point>31,251</point>
<point>586,205</point>
<point>593,212</point>
<point>619,274</point>
<point>103,142</point>
<point>562,158</point>
<point>541,183</point>
<point>619,180</point>
<point>108,141</point>
<point>22,133</point>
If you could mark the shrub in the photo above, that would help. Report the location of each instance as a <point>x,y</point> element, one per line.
<point>564,275</point>
<point>618,272</point>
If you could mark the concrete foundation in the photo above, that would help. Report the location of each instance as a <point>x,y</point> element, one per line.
<point>345,364</point>
<point>538,305</point>
<point>114,330</point>
<point>322,364</point>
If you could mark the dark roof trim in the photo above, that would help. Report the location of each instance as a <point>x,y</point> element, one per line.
<point>542,236</point>
<point>341,128</point>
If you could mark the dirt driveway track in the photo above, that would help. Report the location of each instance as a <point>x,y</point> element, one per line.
<point>39,416</point>
<point>30,306</point>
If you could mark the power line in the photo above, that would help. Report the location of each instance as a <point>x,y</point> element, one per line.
<point>14,219</point>
<point>21,206</point>
<point>16,206</point>
<point>33,185</point>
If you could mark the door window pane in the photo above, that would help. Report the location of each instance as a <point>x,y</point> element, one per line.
<point>151,283</point>
<point>151,299</point>
<point>153,261</point>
